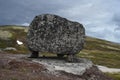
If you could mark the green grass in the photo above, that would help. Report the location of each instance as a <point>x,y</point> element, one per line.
<point>101,52</point>
<point>102,58</point>
<point>115,76</point>
<point>107,55</point>
<point>18,33</point>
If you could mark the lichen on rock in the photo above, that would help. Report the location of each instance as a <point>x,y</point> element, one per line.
<point>54,34</point>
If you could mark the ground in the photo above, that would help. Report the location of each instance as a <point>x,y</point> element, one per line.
<point>100,52</point>
<point>18,67</point>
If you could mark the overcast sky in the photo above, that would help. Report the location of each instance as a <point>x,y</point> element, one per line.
<point>101,18</point>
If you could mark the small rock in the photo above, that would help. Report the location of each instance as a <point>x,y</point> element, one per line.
<point>19,42</point>
<point>10,48</point>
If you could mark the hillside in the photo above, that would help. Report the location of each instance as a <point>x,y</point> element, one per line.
<point>101,52</point>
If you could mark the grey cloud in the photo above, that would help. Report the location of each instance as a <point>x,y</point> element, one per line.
<point>20,11</point>
<point>100,17</point>
<point>116,19</point>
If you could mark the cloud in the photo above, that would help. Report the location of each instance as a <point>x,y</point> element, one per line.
<point>100,17</point>
<point>25,24</point>
<point>97,17</point>
<point>117,22</point>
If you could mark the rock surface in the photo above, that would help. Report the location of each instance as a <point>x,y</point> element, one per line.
<point>54,65</point>
<point>18,67</point>
<point>10,48</point>
<point>52,33</point>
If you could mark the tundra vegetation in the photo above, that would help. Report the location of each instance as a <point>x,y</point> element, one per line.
<point>101,52</point>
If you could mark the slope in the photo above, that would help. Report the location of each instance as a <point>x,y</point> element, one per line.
<point>101,52</point>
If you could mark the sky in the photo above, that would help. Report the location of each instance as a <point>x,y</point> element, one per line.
<point>101,18</point>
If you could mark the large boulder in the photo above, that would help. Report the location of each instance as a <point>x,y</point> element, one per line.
<point>54,34</point>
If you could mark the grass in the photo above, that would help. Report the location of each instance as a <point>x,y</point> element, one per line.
<point>18,33</point>
<point>103,53</point>
<point>115,76</point>
<point>102,58</point>
<point>107,55</point>
<point>5,34</point>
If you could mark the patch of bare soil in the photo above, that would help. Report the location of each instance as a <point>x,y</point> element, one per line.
<point>16,67</point>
